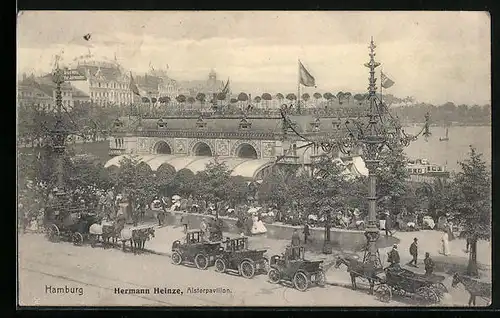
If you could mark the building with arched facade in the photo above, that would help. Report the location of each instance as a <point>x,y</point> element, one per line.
<point>249,146</point>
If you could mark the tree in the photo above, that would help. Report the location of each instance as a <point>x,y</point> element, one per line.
<point>183,183</point>
<point>234,100</point>
<point>280,97</point>
<point>437,196</point>
<point>257,99</point>
<point>305,98</point>
<point>340,97</point>
<point>145,100</point>
<point>317,96</point>
<point>267,97</point>
<point>472,203</point>
<point>239,190</point>
<point>201,98</point>
<point>291,97</point>
<point>359,98</point>
<point>242,97</point>
<point>347,95</point>
<point>392,185</point>
<point>328,193</point>
<point>181,99</point>
<point>191,101</point>
<point>164,177</point>
<point>134,180</point>
<point>214,182</point>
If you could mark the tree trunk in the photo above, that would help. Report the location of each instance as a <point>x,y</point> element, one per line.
<point>472,269</point>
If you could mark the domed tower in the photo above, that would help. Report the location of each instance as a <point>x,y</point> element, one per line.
<point>212,78</point>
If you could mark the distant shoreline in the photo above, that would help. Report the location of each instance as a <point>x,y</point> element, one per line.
<point>409,124</point>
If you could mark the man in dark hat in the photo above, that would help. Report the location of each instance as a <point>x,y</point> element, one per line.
<point>414,252</point>
<point>393,256</point>
<point>306,232</point>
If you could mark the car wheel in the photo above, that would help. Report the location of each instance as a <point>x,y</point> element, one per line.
<point>176,258</point>
<point>220,265</point>
<point>274,276</point>
<point>247,269</point>
<point>201,261</point>
<point>77,238</point>
<point>300,281</point>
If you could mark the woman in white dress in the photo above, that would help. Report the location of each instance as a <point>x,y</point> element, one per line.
<point>255,229</point>
<point>261,228</point>
<point>445,247</point>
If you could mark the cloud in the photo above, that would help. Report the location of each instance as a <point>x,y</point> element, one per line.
<point>434,56</point>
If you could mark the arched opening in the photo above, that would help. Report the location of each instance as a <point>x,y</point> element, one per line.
<point>162,148</point>
<point>202,149</point>
<point>246,151</point>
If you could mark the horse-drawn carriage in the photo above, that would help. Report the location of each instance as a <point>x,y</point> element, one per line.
<point>70,223</point>
<point>115,230</point>
<point>404,282</point>
<point>195,249</point>
<point>235,256</point>
<point>292,267</point>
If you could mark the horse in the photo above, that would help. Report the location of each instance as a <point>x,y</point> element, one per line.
<point>137,238</point>
<point>357,268</point>
<point>106,232</point>
<point>474,287</point>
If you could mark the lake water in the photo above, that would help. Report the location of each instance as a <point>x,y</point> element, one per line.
<point>456,149</point>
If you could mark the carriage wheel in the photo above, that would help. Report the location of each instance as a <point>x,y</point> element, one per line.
<point>320,278</point>
<point>274,276</point>
<point>300,281</point>
<point>220,265</point>
<point>201,261</point>
<point>77,238</point>
<point>383,293</point>
<point>428,294</point>
<point>176,258</point>
<point>440,288</point>
<point>247,269</point>
<point>53,233</point>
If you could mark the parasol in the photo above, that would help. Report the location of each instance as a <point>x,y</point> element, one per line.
<point>176,197</point>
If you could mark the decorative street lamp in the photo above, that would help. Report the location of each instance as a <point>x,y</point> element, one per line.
<point>370,134</point>
<point>59,133</point>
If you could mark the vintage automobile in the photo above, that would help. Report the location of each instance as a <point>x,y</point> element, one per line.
<point>236,256</point>
<point>195,250</point>
<point>292,267</point>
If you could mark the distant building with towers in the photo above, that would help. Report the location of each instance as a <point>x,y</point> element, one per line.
<point>107,81</point>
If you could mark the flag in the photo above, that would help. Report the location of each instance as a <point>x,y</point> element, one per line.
<point>305,78</point>
<point>386,82</point>
<point>133,86</point>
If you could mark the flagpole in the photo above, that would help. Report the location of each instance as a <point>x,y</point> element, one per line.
<point>298,87</point>
<point>381,101</point>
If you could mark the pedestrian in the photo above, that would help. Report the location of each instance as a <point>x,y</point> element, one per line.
<point>393,256</point>
<point>204,228</point>
<point>306,232</point>
<point>468,240</point>
<point>388,224</point>
<point>414,252</point>
<point>184,222</point>
<point>295,238</point>
<point>429,264</point>
<point>445,247</point>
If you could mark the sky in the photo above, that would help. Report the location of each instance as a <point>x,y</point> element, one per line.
<point>435,57</point>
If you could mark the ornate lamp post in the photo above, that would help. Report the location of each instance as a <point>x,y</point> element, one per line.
<point>59,133</point>
<point>371,134</point>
